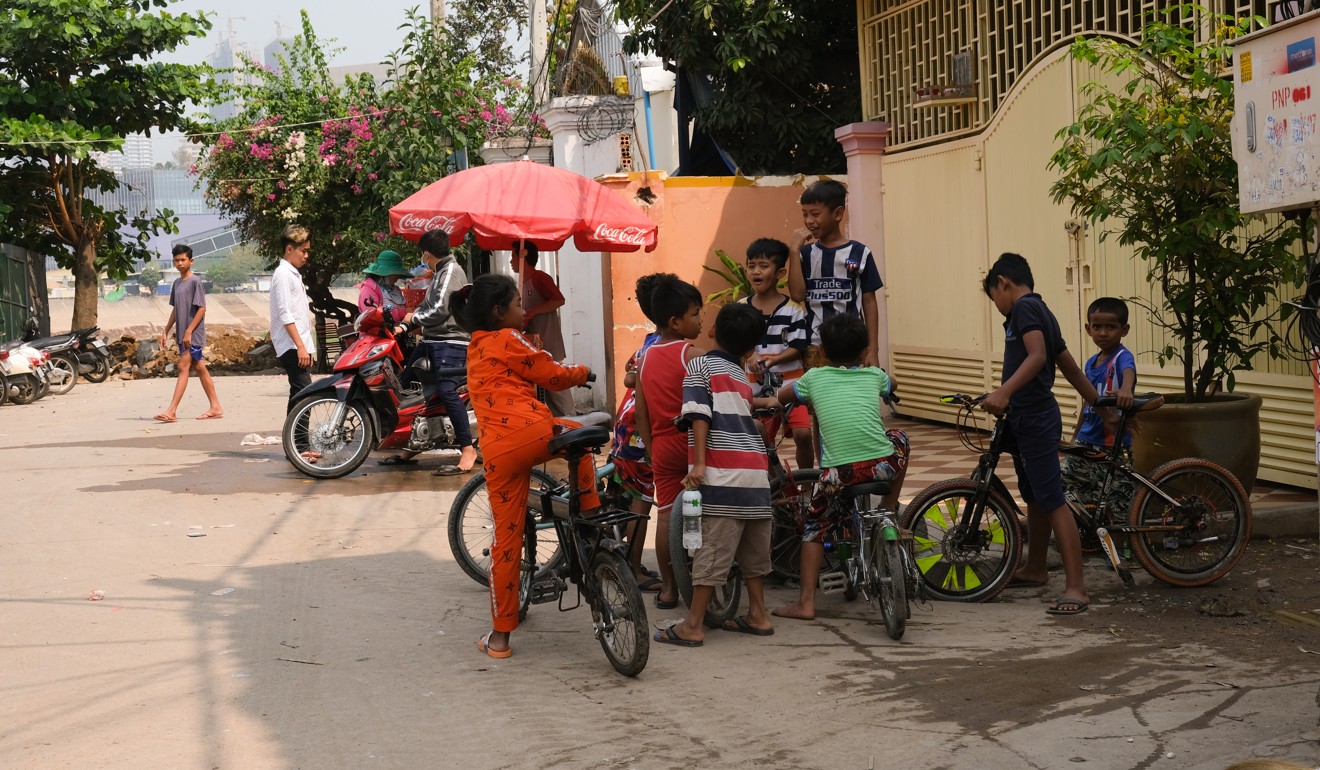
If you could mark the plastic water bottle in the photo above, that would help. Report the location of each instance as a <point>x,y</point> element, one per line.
<point>691,502</point>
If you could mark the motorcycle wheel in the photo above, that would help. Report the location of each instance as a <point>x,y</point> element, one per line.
<point>99,371</point>
<point>315,448</point>
<point>64,369</point>
<point>4,389</point>
<point>43,387</point>
<point>23,388</point>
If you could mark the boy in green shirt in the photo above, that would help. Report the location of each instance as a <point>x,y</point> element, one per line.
<point>856,448</point>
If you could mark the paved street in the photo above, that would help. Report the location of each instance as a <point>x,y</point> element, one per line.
<point>348,637</point>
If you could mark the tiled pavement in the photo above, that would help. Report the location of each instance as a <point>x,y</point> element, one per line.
<point>937,454</point>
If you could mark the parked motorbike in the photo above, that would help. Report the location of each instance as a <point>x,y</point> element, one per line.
<point>339,420</point>
<point>82,350</point>
<point>25,372</point>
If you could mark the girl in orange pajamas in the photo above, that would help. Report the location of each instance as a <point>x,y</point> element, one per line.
<point>515,429</point>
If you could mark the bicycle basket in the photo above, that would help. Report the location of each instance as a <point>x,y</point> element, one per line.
<point>970,432</point>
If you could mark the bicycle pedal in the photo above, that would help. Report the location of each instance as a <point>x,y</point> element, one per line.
<point>547,589</point>
<point>832,582</point>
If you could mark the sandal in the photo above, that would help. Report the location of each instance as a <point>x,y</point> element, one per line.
<point>397,460</point>
<point>448,470</point>
<point>649,585</point>
<point>1067,606</point>
<point>483,644</point>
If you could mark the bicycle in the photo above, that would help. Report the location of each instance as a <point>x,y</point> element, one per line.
<point>592,559</point>
<point>967,540</point>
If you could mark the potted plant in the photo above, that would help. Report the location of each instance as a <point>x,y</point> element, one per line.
<point>1151,157</point>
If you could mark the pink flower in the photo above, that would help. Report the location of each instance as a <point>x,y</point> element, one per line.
<point>372,177</point>
<point>485,115</point>
<point>271,196</point>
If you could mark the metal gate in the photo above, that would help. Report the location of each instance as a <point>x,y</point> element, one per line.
<point>13,291</point>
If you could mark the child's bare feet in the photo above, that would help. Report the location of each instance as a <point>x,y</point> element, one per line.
<point>163,417</point>
<point>467,459</point>
<point>795,610</point>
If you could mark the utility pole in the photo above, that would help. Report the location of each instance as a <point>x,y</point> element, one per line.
<point>539,32</point>
<point>438,16</point>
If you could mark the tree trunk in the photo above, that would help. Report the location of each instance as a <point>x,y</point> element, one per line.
<point>86,287</point>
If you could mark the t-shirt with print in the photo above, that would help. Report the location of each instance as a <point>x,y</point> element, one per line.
<point>847,406</point>
<point>836,279</point>
<point>186,295</point>
<point>737,483</point>
<point>1107,377</point>
<point>785,327</point>
<point>1029,314</point>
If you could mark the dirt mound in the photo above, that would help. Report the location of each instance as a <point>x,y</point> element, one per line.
<point>227,350</point>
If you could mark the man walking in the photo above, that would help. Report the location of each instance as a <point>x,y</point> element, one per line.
<point>188,319</point>
<point>290,320</point>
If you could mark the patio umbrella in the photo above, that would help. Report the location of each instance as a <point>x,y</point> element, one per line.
<point>504,203</point>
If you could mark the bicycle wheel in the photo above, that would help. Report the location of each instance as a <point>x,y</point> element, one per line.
<point>1214,519</point>
<point>619,614</point>
<point>887,582</point>
<point>956,565</point>
<point>472,526</point>
<point>785,540</point>
<point>724,602</point>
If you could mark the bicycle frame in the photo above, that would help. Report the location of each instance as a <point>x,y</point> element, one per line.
<point>987,481</point>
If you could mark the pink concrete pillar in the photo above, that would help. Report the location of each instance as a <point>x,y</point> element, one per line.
<point>864,145</point>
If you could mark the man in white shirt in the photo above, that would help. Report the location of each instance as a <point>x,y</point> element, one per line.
<point>290,320</point>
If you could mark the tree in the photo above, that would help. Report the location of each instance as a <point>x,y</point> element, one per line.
<point>335,156</point>
<point>76,76</point>
<point>150,278</point>
<point>784,74</point>
<point>1154,156</point>
<point>235,269</point>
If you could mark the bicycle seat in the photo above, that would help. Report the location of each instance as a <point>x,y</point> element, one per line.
<point>590,437</point>
<point>1143,402</point>
<point>874,488</point>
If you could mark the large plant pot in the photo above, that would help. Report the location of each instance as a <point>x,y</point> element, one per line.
<point>1225,430</point>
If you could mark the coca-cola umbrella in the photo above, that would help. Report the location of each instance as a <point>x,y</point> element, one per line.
<point>504,203</point>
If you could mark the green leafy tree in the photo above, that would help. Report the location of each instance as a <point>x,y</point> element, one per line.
<point>335,157</point>
<point>76,76</point>
<point>784,74</point>
<point>1153,158</point>
<point>150,278</point>
<point>235,269</point>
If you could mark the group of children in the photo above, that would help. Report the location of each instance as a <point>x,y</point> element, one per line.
<point>688,418</point>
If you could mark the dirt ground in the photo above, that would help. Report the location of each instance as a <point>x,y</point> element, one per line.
<point>348,637</point>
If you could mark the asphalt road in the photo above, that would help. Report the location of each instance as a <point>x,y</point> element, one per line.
<point>348,638</point>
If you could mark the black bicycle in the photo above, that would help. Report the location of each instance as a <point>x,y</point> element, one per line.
<point>1188,525</point>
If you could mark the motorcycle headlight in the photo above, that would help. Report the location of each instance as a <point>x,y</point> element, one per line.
<point>377,350</point>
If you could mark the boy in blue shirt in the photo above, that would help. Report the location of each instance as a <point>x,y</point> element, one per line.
<point>1033,346</point>
<point>1111,371</point>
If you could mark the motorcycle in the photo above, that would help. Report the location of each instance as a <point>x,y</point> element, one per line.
<point>81,350</point>
<point>339,420</point>
<point>24,372</point>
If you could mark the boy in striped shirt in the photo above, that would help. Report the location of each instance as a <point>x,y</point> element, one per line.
<point>782,347</point>
<point>835,275</point>
<point>855,447</point>
<point>727,462</point>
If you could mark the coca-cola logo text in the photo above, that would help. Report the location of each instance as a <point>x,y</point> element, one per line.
<point>411,223</point>
<point>634,236</point>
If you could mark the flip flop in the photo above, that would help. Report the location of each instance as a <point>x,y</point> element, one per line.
<point>397,460</point>
<point>448,470</point>
<point>668,636</point>
<point>163,418</point>
<point>661,604</point>
<point>648,572</point>
<point>1017,582</point>
<point>483,644</point>
<point>650,585</point>
<point>1066,606</point>
<point>209,416</point>
<point>742,626</point>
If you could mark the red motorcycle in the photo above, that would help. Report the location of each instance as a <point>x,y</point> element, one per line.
<point>339,420</point>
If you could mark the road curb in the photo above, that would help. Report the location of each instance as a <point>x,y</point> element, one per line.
<point>1288,520</point>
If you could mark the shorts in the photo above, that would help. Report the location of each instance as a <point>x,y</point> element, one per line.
<point>822,518</point>
<point>195,352</point>
<point>669,466</point>
<point>635,477</point>
<point>1084,480</point>
<point>798,418</point>
<point>1033,440</point>
<point>724,540</point>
